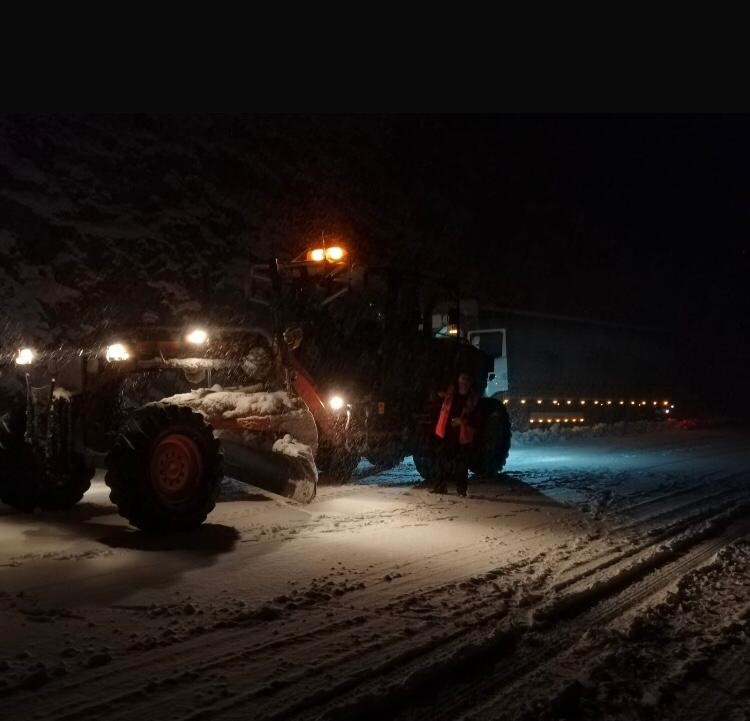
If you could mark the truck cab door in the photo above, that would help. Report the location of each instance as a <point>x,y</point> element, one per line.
<point>493,343</point>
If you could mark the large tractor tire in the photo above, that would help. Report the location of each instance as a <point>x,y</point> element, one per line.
<point>335,465</point>
<point>165,468</point>
<point>24,484</point>
<point>66,487</point>
<point>493,442</point>
<point>19,473</point>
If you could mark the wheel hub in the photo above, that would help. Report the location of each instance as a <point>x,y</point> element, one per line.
<point>176,467</point>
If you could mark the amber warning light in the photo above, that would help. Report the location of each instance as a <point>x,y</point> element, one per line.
<point>333,254</point>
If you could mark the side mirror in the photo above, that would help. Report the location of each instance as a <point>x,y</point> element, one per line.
<point>293,337</point>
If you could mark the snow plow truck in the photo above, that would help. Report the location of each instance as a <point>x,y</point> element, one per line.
<point>169,411</point>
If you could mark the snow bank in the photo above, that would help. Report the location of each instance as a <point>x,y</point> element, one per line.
<point>558,432</point>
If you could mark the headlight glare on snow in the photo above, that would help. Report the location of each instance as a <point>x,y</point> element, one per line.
<point>336,403</point>
<point>25,357</point>
<point>117,352</point>
<point>197,336</point>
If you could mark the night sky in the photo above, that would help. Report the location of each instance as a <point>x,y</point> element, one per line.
<point>636,219</point>
<point>641,219</point>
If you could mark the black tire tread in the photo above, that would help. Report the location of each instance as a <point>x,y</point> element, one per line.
<point>22,482</point>
<point>127,468</point>
<point>495,436</point>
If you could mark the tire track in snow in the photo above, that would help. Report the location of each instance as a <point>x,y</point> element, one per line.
<point>412,652</point>
<point>562,623</point>
<point>190,656</point>
<point>575,616</point>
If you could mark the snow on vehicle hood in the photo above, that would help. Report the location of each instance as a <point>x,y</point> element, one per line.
<point>237,402</point>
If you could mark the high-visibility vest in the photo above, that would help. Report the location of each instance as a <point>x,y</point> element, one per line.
<point>465,431</point>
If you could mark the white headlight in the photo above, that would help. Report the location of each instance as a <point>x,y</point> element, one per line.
<point>117,352</point>
<point>336,403</point>
<point>25,357</point>
<point>197,336</point>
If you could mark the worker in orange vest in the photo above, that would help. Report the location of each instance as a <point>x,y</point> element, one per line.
<point>456,427</point>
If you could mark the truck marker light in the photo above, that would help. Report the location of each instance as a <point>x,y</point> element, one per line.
<point>25,357</point>
<point>117,352</point>
<point>197,336</point>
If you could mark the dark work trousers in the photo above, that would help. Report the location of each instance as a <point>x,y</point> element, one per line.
<point>452,464</point>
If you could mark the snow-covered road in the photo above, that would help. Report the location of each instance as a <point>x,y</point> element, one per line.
<point>598,577</point>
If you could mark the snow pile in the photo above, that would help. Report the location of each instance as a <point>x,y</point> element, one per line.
<point>282,413</point>
<point>237,402</point>
<point>560,432</point>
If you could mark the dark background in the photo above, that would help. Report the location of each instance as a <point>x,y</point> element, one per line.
<point>638,219</point>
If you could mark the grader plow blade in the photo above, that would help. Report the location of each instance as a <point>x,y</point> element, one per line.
<point>264,451</point>
<point>269,439</point>
<point>288,476</point>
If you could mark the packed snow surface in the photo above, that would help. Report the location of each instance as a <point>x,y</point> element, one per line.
<point>598,577</point>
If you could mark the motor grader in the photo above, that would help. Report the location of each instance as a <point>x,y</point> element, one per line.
<point>168,411</point>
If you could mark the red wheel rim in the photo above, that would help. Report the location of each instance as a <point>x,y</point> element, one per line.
<point>176,467</point>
